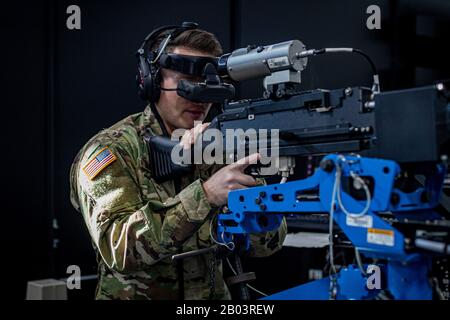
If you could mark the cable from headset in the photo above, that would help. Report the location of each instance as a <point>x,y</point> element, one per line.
<point>229,245</point>
<point>314,52</point>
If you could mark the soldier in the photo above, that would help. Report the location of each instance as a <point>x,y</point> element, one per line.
<point>137,224</point>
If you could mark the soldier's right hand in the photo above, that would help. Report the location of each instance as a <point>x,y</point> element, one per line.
<point>231,177</point>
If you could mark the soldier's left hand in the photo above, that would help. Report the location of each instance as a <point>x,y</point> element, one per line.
<point>190,136</point>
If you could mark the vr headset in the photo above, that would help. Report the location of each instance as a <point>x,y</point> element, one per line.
<point>210,90</point>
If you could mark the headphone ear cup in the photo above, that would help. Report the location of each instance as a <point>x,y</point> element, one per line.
<point>142,75</point>
<point>148,77</point>
<point>148,81</point>
<point>156,85</point>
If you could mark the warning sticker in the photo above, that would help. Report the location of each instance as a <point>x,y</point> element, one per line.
<point>381,237</point>
<point>363,222</point>
<point>278,62</point>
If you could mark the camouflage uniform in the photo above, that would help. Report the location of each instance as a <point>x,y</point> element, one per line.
<point>136,224</point>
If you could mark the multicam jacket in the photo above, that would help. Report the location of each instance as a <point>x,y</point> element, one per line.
<point>136,224</point>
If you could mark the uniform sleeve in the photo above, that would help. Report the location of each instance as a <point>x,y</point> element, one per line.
<point>129,233</point>
<point>266,244</point>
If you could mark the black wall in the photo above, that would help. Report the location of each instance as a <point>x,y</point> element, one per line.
<point>59,87</point>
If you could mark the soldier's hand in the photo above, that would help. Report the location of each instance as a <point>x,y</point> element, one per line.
<point>190,136</point>
<point>229,178</point>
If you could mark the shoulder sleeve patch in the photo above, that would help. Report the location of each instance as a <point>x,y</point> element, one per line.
<point>101,160</point>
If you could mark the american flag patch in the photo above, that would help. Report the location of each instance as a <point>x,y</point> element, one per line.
<point>100,161</point>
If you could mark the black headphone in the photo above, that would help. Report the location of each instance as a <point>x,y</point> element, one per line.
<point>148,77</point>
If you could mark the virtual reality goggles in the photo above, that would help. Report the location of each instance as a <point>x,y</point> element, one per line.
<point>191,65</point>
<point>210,90</point>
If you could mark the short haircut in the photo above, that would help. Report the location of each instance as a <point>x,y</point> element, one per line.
<point>196,39</point>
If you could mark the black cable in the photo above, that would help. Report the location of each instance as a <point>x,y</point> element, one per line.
<point>333,50</point>
<point>313,52</point>
<point>365,55</point>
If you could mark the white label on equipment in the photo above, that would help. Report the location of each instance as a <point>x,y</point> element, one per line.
<point>364,221</point>
<point>381,237</point>
<point>278,62</point>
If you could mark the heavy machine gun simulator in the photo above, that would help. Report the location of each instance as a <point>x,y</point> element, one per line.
<point>381,178</point>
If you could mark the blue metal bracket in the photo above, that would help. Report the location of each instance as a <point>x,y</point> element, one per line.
<point>261,209</point>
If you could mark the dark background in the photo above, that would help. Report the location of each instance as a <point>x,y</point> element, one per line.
<point>59,87</point>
